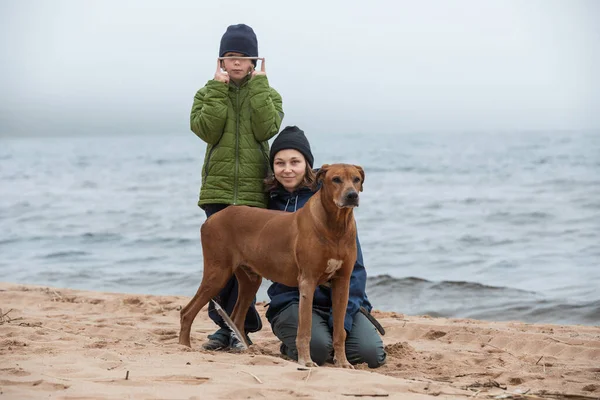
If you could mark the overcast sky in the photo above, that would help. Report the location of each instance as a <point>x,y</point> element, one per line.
<point>114,66</point>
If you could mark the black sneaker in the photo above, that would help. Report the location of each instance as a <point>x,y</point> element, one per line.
<point>217,341</point>
<point>283,349</point>
<point>214,344</point>
<point>235,344</point>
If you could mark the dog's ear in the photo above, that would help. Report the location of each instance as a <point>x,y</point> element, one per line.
<point>362,176</point>
<point>321,173</point>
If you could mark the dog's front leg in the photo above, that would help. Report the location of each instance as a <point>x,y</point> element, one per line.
<point>306,287</point>
<point>340,287</point>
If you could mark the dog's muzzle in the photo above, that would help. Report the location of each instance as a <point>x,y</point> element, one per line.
<point>350,199</point>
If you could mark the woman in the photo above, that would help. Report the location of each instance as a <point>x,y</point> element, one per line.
<point>290,187</point>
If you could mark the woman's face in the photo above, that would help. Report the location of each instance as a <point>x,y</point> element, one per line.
<point>289,167</point>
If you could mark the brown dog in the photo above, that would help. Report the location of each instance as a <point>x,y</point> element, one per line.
<point>309,247</point>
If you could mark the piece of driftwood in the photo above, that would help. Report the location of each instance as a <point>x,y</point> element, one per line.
<point>231,325</point>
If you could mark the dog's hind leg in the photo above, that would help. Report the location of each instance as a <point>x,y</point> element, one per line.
<point>213,280</point>
<point>248,284</point>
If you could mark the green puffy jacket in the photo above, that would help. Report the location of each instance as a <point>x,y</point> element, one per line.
<point>236,123</point>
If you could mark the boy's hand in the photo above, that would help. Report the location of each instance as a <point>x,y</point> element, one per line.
<point>221,75</point>
<point>262,69</point>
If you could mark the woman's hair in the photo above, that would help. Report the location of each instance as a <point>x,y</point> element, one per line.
<point>309,180</point>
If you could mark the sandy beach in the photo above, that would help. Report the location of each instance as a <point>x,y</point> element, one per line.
<point>69,344</point>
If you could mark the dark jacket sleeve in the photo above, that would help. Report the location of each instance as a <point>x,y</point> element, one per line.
<point>209,111</point>
<point>267,108</point>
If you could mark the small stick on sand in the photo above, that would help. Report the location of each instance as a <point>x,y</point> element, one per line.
<point>254,376</point>
<point>506,351</point>
<point>61,331</point>
<point>5,315</point>
<point>127,376</point>
<point>31,324</point>
<point>563,342</point>
<point>308,375</point>
<point>5,318</point>
<point>538,360</point>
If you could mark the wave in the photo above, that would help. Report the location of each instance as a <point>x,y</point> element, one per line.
<point>66,254</point>
<point>464,299</point>
<point>185,160</point>
<point>387,281</point>
<point>164,241</point>
<point>524,218</point>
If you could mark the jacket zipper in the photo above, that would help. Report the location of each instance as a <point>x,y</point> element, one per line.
<point>237,144</point>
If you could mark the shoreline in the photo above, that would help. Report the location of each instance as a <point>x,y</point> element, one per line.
<point>75,344</point>
<point>572,313</point>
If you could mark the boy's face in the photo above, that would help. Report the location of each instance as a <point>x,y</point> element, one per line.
<point>236,68</point>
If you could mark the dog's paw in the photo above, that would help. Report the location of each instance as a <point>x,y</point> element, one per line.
<point>308,364</point>
<point>343,364</point>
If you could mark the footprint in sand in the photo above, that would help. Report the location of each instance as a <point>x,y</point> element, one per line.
<point>150,306</point>
<point>133,301</point>
<point>166,334</point>
<point>185,379</point>
<point>263,360</point>
<point>433,335</point>
<point>167,305</point>
<point>134,380</point>
<point>14,371</point>
<point>590,388</point>
<point>14,346</point>
<point>280,394</point>
<point>97,345</point>
<point>39,384</point>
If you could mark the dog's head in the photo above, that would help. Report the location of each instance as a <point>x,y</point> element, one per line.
<point>341,182</point>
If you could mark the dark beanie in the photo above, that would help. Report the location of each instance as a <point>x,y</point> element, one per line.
<point>291,137</point>
<point>240,39</point>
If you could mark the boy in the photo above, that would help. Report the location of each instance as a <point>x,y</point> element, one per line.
<point>236,113</point>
